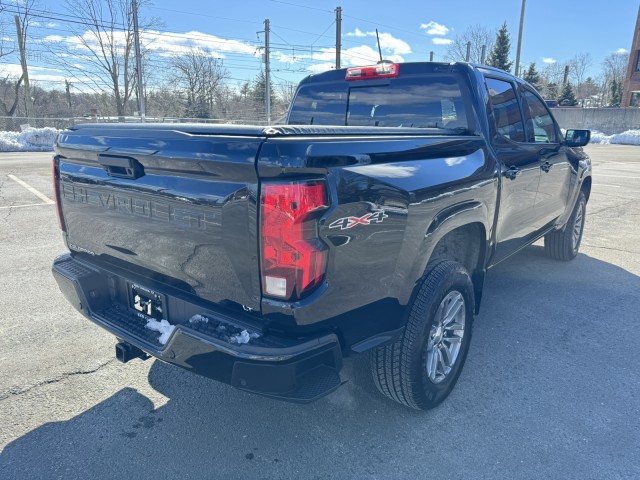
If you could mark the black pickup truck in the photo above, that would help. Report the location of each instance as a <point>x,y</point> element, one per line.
<point>262,256</point>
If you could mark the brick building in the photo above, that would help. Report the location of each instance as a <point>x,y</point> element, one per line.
<point>631,86</point>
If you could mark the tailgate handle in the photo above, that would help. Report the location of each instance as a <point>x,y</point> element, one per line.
<point>121,167</point>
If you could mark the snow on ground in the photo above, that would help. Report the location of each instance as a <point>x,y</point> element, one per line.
<point>30,140</point>
<point>630,137</point>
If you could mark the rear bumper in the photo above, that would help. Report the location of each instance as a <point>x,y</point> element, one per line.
<point>300,370</point>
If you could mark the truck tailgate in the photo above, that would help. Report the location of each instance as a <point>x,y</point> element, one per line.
<point>172,203</point>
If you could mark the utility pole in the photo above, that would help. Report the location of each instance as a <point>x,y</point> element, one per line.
<point>267,69</point>
<point>136,40</point>
<point>483,55</point>
<point>517,69</point>
<point>68,88</point>
<point>338,35</point>
<point>431,56</point>
<point>468,57</point>
<point>566,75</point>
<point>25,73</point>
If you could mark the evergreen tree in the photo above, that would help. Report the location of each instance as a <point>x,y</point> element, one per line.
<point>567,97</point>
<point>616,93</point>
<point>259,89</point>
<point>551,91</point>
<point>532,76</point>
<point>499,56</point>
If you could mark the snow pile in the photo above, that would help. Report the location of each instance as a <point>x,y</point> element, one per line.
<point>243,337</point>
<point>630,137</point>
<point>164,327</point>
<point>30,140</point>
<point>198,319</point>
<point>224,331</point>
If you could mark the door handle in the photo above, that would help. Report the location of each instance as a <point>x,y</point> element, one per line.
<point>546,166</point>
<point>512,173</point>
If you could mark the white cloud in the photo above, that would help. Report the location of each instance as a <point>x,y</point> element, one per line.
<point>393,45</point>
<point>181,42</point>
<point>289,58</point>
<point>548,60</point>
<point>397,46</point>
<point>321,67</point>
<point>622,51</point>
<point>351,57</point>
<point>52,25</point>
<point>434,28</point>
<point>357,33</point>
<point>38,74</point>
<point>442,41</point>
<point>165,45</point>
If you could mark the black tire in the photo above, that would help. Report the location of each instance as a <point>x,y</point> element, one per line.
<point>564,244</point>
<point>400,369</point>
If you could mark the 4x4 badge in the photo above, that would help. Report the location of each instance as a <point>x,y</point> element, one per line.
<point>345,223</point>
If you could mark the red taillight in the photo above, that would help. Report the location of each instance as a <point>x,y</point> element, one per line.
<point>293,258</point>
<point>56,190</point>
<point>383,70</point>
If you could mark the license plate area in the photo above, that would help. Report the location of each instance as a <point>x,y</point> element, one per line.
<point>147,302</point>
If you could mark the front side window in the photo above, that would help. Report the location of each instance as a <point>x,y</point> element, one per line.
<point>506,111</point>
<point>539,123</point>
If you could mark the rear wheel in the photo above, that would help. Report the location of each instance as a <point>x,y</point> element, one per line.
<point>564,244</point>
<point>421,368</point>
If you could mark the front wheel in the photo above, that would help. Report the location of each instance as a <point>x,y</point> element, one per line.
<point>421,368</point>
<point>564,244</point>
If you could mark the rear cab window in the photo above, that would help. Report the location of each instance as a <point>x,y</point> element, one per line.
<point>430,100</point>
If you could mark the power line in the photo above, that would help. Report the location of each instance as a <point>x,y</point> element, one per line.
<point>301,6</point>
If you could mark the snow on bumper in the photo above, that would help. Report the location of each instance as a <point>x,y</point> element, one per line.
<point>208,343</point>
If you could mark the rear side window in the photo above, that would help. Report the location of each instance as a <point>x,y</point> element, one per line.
<point>425,101</point>
<point>506,110</point>
<point>540,127</point>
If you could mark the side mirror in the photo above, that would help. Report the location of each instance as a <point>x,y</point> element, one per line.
<point>577,138</point>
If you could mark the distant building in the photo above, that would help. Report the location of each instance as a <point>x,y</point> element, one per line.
<point>631,86</point>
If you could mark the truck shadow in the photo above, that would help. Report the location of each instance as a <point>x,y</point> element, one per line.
<point>535,341</point>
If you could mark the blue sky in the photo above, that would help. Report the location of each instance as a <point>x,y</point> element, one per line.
<point>554,29</point>
<point>303,32</point>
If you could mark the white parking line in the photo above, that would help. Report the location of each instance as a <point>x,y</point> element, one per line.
<point>606,185</point>
<point>28,205</point>
<point>41,196</point>
<point>617,176</point>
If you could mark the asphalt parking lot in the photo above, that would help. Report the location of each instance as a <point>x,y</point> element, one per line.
<point>551,388</point>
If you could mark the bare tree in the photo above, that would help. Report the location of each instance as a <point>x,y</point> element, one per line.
<point>615,69</point>
<point>10,85</point>
<point>285,92</point>
<point>615,66</point>
<point>578,67</point>
<point>478,35</point>
<point>7,47</point>
<point>100,53</point>
<point>198,75</point>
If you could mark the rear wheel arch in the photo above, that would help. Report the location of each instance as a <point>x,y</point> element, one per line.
<point>466,245</point>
